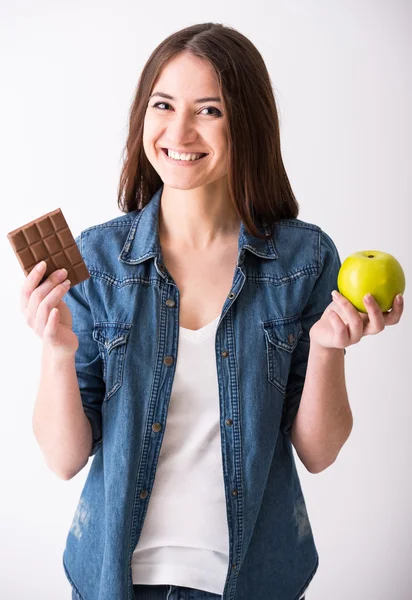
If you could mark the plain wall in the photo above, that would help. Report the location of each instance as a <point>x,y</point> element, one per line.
<point>341,73</point>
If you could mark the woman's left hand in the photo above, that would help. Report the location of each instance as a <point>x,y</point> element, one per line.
<point>342,325</point>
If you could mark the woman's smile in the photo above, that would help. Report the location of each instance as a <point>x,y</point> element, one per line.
<point>182,163</point>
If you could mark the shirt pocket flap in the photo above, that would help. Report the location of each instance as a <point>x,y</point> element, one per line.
<point>284,332</point>
<point>111,334</point>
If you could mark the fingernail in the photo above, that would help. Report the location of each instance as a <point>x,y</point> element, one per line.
<point>399,298</point>
<point>334,294</point>
<point>40,266</point>
<point>367,298</point>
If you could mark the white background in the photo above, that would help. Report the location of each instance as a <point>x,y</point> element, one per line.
<point>342,79</point>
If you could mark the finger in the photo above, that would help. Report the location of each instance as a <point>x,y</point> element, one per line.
<point>376,319</point>
<point>341,330</point>
<point>393,317</point>
<point>31,282</point>
<point>41,291</point>
<point>48,303</point>
<point>335,306</point>
<point>50,329</point>
<point>355,322</point>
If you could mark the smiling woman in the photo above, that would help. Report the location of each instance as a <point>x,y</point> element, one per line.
<point>191,98</point>
<point>194,342</point>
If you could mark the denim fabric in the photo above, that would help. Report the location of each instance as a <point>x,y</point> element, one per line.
<point>171,592</point>
<point>126,316</point>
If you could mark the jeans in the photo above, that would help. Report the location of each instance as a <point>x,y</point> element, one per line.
<point>172,592</point>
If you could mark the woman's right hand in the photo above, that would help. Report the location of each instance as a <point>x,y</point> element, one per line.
<point>54,327</point>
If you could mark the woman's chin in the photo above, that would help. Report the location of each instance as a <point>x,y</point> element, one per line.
<point>181,182</point>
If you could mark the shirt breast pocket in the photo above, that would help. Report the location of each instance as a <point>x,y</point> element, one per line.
<point>282,336</point>
<point>112,339</point>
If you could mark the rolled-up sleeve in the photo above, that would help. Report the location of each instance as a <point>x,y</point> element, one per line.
<point>319,299</point>
<point>87,360</point>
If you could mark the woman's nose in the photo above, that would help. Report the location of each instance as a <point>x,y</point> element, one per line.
<point>181,131</point>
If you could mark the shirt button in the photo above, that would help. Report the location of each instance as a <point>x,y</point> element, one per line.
<point>291,338</point>
<point>234,493</point>
<point>229,422</point>
<point>143,494</point>
<point>156,427</point>
<point>233,566</point>
<point>225,353</point>
<point>168,360</point>
<point>231,295</point>
<point>170,302</point>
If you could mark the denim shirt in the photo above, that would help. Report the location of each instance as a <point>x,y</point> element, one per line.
<point>126,317</point>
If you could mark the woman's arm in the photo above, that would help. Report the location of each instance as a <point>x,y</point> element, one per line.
<point>324,420</point>
<point>60,425</point>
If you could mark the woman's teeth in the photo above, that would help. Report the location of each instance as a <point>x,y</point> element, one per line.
<point>177,156</point>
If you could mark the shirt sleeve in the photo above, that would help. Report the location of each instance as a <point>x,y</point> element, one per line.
<point>319,299</point>
<point>87,359</point>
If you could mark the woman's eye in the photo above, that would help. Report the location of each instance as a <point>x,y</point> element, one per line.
<point>217,111</point>
<point>157,105</point>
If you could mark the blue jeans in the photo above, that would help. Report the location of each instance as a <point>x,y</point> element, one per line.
<point>171,592</point>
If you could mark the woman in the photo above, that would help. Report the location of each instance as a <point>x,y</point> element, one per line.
<point>202,347</point>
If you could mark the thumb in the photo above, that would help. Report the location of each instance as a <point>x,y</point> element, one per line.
<point>50,330</point>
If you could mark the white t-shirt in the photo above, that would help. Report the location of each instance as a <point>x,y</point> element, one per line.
<point>185,536</point>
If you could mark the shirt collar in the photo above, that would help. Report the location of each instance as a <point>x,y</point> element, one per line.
<point>143,242</point>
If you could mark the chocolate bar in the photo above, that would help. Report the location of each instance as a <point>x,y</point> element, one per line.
<point>49,238</point>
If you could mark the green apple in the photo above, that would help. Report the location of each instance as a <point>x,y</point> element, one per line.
<point>374,272</point>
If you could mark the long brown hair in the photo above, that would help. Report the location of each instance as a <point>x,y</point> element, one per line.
<point>257,181</point>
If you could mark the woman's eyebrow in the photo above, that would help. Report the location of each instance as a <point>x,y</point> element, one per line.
<point>208,99</point>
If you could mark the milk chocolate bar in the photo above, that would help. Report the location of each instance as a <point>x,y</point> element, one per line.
<point>49,238</point>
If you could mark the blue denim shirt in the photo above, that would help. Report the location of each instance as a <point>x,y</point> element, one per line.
<point>126,316</point>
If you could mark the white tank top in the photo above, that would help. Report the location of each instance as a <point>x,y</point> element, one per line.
<point>185,536</point>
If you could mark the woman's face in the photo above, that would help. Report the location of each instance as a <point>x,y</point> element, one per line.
<point>182,123</point>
